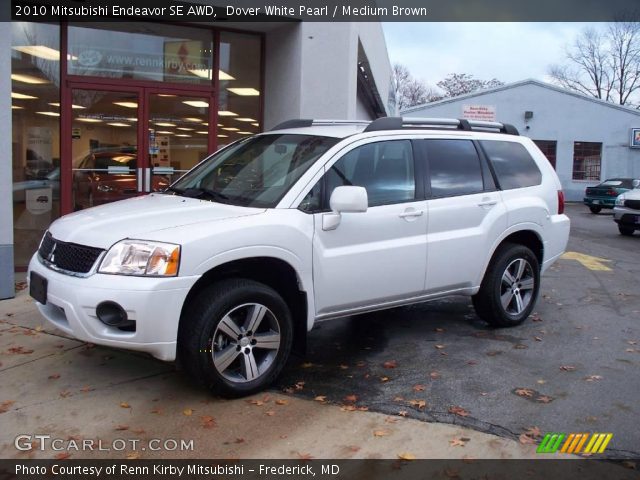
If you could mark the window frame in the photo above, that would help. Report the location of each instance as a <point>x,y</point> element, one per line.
<point>573,163</point>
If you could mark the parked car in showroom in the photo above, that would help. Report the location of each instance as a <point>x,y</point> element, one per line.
<point>604,195</point>
<point>626,212</point>
<point>108,175</point>
<point>229,269</point>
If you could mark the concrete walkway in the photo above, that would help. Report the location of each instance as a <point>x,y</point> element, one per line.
<point>54,385</point>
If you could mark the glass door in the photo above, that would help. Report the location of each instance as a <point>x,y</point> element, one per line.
<point>105,158</point>
<point>178,134</point>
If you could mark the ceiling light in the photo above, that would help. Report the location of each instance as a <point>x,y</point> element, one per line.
<point>223,136</point>
<point>166,95</point>
<point>19,77</point>
<point>164,132</point>
<point>127,104</point>
<point>206,73</point>
<point>203,132</point>
<point>165,124</point>
<point>192,119</point>
<point>224,76</point>
<point>49,114</point>
<point>182,135</point>
<point>255,124</point>
<point>22,96</point>
<point>40,51</point>
<point>245,119</point>
<point>89,120</point>
<point>231,129</point>
<point>118,124</point>
<point>16,107</point>
<point>132,119</point>
<point>206,124</point>
<point>196,103</point>
<point>75,107</point>
<point>186,129</point>
<point>245,92</point>
<point>245,133</point>
<point>226,113</point>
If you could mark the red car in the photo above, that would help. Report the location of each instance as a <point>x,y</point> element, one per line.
<point>107,176</point>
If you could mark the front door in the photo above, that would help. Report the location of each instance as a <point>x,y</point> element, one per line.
<point>380,255</point>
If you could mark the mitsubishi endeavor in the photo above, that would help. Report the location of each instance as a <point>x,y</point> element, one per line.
<point>228,269</point>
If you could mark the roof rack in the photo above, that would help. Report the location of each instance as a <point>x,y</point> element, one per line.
<point>307,122</point>
<point>397,123</point>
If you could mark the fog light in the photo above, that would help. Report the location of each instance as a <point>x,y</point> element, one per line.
<point>112,314</point>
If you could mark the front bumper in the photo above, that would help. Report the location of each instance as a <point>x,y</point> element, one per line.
<point>627,217</point>
<point>599,202</point>
<point>154,303</point>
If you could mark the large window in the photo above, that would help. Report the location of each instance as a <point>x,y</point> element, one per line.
<point>35,108</point>
<point>587,160</point>
<point>548,148</point>
<point>454,168</point>
<point>513,165</point>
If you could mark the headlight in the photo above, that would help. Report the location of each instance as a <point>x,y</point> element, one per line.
<point>620,201</point>
<point>139,257</point>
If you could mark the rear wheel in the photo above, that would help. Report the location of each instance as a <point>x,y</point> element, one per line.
<point>510,287</point>
<point>626,231</point>
<point>235,337</point>
<point>595,209</point>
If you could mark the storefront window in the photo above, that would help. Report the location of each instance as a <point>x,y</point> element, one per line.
<point>240,84</point>
<point>35,108</point>
<point>141,51</point>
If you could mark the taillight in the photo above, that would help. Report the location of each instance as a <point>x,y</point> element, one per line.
<point>560,202</point>
<point>612,193</point>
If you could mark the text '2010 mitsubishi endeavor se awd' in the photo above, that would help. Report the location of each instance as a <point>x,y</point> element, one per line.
<point>230,267</point>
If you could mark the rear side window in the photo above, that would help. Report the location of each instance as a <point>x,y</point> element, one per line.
<point>512,163</point>
<point>454,168</point>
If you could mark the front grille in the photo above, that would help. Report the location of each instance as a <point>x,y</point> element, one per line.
<point>68,256</point>
<point>635,204</point>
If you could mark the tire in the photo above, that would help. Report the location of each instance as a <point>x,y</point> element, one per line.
<point>595,209</point>
<point>235,357</point>
<point>503,277</point>
<point>626,231</point>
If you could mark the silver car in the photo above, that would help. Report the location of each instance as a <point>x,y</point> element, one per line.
<point>626,212</point>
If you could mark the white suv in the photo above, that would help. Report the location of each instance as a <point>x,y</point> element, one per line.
<point>229,268</point>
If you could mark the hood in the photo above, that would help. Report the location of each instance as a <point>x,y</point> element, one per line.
<point>632,194</point>
<point>139,218</point>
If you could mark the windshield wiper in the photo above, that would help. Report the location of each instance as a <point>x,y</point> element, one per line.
<point>177,191</point>
<point>204,192</point>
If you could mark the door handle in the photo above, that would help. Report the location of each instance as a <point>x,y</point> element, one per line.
<point>488,203</point>
<point>413,213</point>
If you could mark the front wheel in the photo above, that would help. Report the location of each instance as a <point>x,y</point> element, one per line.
<point>595,209</point>
<point>626,231</point>
<point>235,337</point>
<point>510,287</point>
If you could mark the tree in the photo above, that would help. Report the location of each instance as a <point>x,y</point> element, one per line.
<point>456,84</point>
<point>604,65</point>
<point>410,92</point>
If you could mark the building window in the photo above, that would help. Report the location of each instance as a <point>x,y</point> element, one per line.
<point>35,108</point>
<point>587,159</point>
<point>548,147</point>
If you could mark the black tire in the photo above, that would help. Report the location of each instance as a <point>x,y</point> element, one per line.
<point>626,231</point>
<point>203,336</point>
<point>488,301</point>
<point>595,209</point>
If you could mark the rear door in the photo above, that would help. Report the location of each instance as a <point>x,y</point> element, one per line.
<point>466,213</point>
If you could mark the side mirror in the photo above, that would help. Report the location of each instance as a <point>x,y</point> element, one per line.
<point>636,184</point>
<point>348,199</point>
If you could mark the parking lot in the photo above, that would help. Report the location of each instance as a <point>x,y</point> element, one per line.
<point>572,367</point>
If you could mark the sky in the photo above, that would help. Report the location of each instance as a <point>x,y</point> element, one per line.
<point>506,51</point>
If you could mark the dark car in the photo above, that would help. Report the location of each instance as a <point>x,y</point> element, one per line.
<point>604,195</point>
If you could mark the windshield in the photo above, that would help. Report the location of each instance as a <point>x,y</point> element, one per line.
<point>256,172</point>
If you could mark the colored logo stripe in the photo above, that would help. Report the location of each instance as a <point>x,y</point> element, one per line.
<point>598,442</point>
<point>550,443</point>
<point>574,442</point>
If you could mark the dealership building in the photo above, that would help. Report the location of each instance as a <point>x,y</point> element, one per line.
<point>586,140</point>
<point>143,103</point>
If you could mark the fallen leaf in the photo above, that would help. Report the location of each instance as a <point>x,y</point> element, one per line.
<point>62,456</point>
<point>406,456</point>
<point>4,406</point>
<point>282,401</point>
<point>65,393</point>
<point>384,379</point>
<point>458,411</point>
<point>418,388</point>
<point>362,409</point>
<point>239,440</point>
<point>593,378</point>
<point>419,404</point>
<point>390,364</point>
<point>187,412</point>
<point>305,456</point>
<point>434,375</point>
<point>380,433</point>
<point>541,381</point>
<point>86,389</point>
<point>138,431</point>
<point>133,455</point>
<point>207,421</point>
<point>157,410</point>
<point>533,432</point>
<point>403,413</point>
<point>398,399</point>
<point>458,442</point>
<point>538,339</point>
<point>348,408</point>
<point>544,399</point>
<point>351,398</point>
<point>526,439</point>
<point>299,385</point>
<point>321,398</point>
<point>255,402</point>
<point>124,405</point>
<point>353,448</point>
<point>524,392</point>
<point>55,376</point>
<point>439,347</point>
<point>269,413</point>
<point>567,368</point>
<point>20,351</point>
<point>520,346</point>
<point>472,362</point>
<point>390,420</point>
<point>120,428</point>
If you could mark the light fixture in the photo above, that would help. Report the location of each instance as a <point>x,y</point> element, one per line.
<point>183,135</point>
<point>127,104</point>
<point>22,96</point>
<point>89,120</point>
<point>165,124</point>
<point>164,132</point>
<point>231,129</point>
<point>206,124</point>
<point>255,124</point>
<point>192,119</point>
<point>245,92</point>
<point>19,77</point>
<point>245,119</point>
<point>226,113</point>
<point>49,114</point>
<point>186,129</point>
<point>16,107</point>
<point>132,119</point>
<point>75,107</point>
<point>118,124</point>
<point>207,73</point>
<point>203,132</point>
<point>39,51</point>
<point>245,133</point>
<point>224,76</point>
<point>196,103</point>
<point>223,136</point>
<point>166,95</point>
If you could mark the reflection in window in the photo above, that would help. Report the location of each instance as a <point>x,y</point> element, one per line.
<point>454,168</point>
<point>587,157</point>
<point>513,165</point>
<point>35,108</point>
